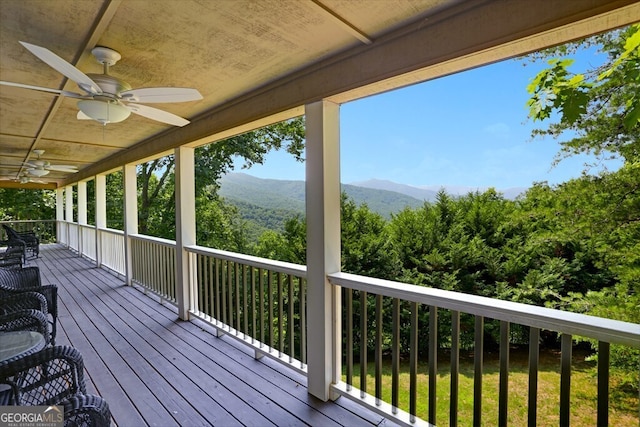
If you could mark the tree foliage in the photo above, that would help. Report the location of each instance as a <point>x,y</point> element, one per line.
<point>600,106</point>
<point>156,182</point>
<point>23,204</point>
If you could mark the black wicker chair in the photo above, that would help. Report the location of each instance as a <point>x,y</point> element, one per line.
<point>17,281</point>
<point>86,410</point>
<point>26,320</point>
<point>23,301</point>
<point>54,376</point>
<point>30,239</point>
<point>14,255</point>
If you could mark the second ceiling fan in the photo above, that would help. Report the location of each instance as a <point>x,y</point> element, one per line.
<point>107,99</point>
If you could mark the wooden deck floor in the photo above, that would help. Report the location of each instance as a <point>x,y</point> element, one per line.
<point>154,369</point>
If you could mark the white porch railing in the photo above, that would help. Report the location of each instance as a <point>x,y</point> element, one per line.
<point>72,230</point>
<point>262,303</point>
<point>257,301</point>
<point>62,232</point>
<point>418,309</point>
<point>154,265</point>
<point>88,241</point>
<point>112,250</point>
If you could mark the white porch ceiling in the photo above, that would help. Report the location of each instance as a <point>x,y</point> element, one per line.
<point>254,62</point>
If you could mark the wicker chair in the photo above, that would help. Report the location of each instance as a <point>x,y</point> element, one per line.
<point>23,301</point>
<point>17,281</point>
<point>26,320</point>
<point>86,410</point>
<point>54,376</point>
<point>30,239</point>
<point>15,255</point>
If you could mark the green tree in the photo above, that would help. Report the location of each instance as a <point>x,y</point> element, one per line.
<point>600,106</point>
<point>219,225</point>
<point>115,200</point>
<point>24,204</point>
<point>156,184</point>
<point>366,243</point>
<point>18,204</point>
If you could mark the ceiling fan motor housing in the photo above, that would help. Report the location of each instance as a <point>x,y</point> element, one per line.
<point>111,86</point>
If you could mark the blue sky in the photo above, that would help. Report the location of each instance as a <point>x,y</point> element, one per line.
<point>469,129</point>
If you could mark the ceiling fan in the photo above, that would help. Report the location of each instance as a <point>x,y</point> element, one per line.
<point>22,178</point>
<point>41,167</point>
<point>106,98</point>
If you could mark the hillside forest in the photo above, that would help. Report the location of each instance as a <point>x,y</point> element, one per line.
<point>573,246</point>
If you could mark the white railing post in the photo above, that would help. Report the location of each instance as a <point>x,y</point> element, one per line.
<point>130,217</point>
<point>323,246</point>
<point>82,213</point>
<point>59,213</point>
<point>101,214</point>
<point>68,205</point>
<point>185,227</point>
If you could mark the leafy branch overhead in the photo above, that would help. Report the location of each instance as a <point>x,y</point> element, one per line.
<point>601,106</point>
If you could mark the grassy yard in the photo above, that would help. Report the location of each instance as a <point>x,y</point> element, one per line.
<point>624,406</point>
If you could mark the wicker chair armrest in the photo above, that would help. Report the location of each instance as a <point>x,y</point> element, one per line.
<point>50,292</point>
<point>14,247</point>
<point>23,301</point>
<point>58,369</point>
<point>11,232</point>
<point>12,259</point>
<point>86,410</point>
<point>27,277</point>
<point>26,320</point>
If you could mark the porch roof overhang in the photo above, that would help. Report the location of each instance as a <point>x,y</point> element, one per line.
<point>254,62</point>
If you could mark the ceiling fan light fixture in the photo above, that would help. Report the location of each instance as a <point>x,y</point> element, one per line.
<point>103,112</point>
<point>38,172</point>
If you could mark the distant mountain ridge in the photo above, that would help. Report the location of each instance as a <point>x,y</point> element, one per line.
<point>429,192</point>
<point>264,200</point>
<point>244,189</point>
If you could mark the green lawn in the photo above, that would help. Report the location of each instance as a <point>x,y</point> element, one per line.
<point>623,408</point>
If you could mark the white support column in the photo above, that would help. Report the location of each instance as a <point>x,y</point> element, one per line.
<point>185,227</point>
<point>130,216</point>
<point>59,213</point>
<point>68,205</point>
<point>101,214</point>
<point>82,213</point>
<point>323,246</point>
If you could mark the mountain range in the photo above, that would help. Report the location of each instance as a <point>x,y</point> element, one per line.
<point>429,192</point>
<point>249,194</point>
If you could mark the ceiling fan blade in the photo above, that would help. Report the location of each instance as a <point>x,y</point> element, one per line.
<point>45,89</point>
<point>62,168</point>
<point>63,67</point>
<point>158,115</point>
<point>161,94</point>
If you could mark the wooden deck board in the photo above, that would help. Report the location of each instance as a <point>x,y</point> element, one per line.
<point>155,369</point>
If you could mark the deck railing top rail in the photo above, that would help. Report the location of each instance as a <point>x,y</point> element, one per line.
<point>158,240</point>
<point>607,330</point>
<point>275,266</point>
<point>10,221</point>
<point>112,231</point>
